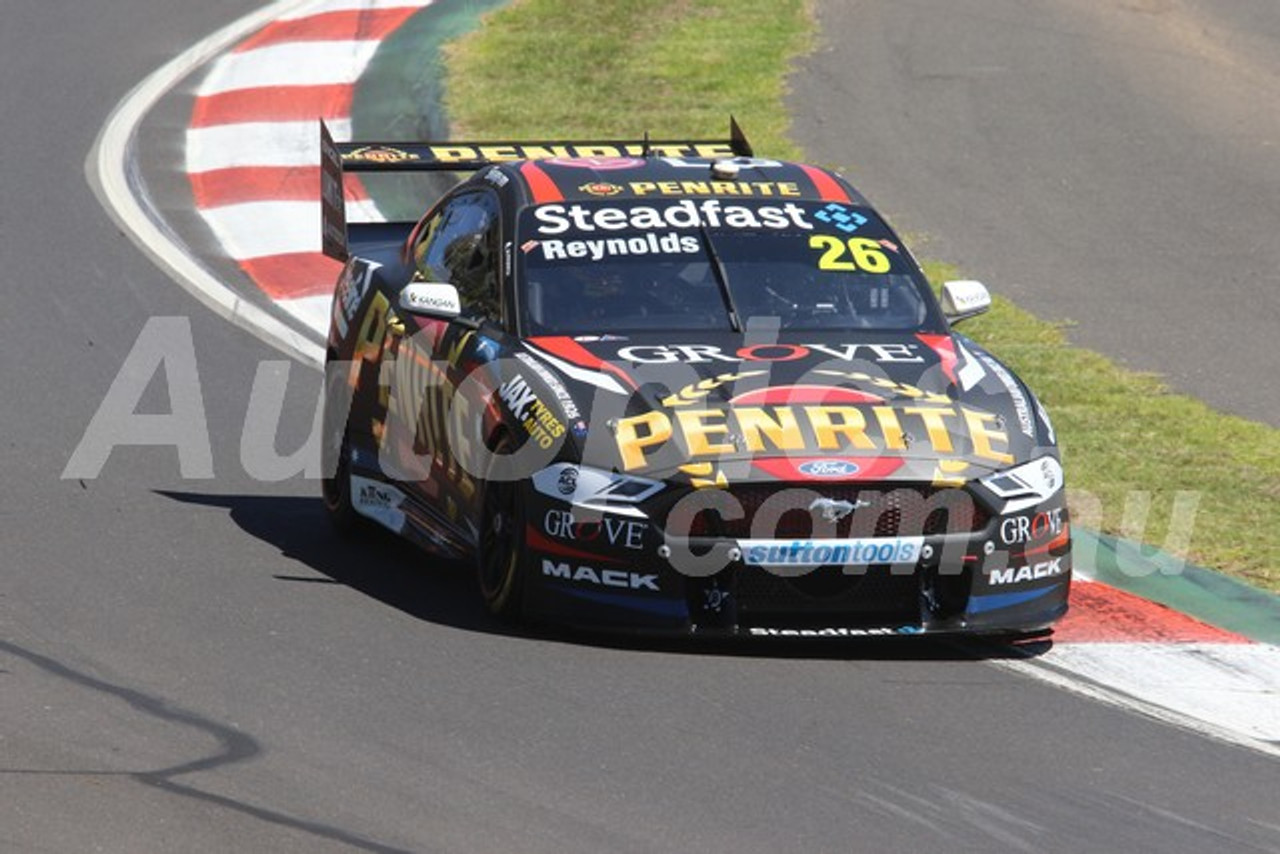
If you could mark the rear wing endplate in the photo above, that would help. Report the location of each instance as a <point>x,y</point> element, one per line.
<point>454,156</point>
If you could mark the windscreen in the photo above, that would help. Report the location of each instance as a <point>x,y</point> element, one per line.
<point>710,264</point>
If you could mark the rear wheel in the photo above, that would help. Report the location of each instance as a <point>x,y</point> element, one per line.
<point>335,464</point>
<point>499,560</point>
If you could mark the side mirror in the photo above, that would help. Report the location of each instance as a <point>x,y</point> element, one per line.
<point>964,299</point>
<point>431,299</point>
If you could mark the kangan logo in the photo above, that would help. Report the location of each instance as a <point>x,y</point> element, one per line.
<point>833,510</point>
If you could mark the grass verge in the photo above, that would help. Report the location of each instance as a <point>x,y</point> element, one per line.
<point>1144,463</point>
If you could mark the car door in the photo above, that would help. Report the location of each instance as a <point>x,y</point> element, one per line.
<point>433,412</point>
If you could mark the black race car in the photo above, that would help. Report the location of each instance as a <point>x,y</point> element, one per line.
<point>671,386</point>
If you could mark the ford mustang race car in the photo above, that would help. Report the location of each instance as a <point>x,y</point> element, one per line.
<point>670,386</point>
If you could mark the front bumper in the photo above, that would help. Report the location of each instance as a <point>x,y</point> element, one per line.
<point>995,574</point>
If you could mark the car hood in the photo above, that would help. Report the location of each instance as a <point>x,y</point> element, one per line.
<point>723,408</point>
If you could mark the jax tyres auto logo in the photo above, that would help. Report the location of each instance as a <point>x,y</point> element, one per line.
<point>538,420</point>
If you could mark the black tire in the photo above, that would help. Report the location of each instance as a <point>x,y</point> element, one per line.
<point>335,470</point>
<point>499,557</point>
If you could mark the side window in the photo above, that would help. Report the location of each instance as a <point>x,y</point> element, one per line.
<point>460,246</point>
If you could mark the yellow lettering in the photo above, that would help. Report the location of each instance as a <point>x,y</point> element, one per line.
<point>450,154</point>
<point>631,443</point>
<point>695,188</point>
<point>669,188</point>
<point>667,150</point>
<point>499,152</point>
<point>788,188</point>
<point>724,188</point>
<point>852,425</point>
<point>596,151</point>
<point>935,423</point>
<point>714,149</point>
<point>456,350</point>
<point>889,426</point>
<point>369,341</point>
<point>982,436</point>
<point>784,433</point>
<point>642,188</point>
<point>697,432</point>
<point>890,385</point>
<point>539,152</point>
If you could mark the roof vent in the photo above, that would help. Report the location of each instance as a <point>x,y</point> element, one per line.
<point>724,170</point>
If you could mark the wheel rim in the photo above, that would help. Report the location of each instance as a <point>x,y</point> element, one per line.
<point>497,545</point>
<point>335,488</point>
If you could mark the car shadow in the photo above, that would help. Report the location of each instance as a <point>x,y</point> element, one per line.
<point>373,562</point>
<point>399,575</point>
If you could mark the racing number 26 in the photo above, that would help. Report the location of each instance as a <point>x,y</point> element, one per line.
<point>856,253</point>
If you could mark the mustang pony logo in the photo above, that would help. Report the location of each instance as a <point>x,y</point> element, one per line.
<point>833,510</point>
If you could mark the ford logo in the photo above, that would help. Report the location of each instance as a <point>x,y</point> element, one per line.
<point>828,468</point>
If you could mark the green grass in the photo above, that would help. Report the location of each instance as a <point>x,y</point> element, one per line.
<point>1133,450</point>
<point>1127,439</point>
<point>573,68</point>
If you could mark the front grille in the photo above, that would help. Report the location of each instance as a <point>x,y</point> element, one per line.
<point>782,511</point>
<point>875,596</point>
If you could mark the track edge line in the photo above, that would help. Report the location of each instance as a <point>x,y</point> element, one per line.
<point>106,170</point>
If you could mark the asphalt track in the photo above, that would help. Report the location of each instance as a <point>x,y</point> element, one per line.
<point>198,665</point>
<point>1114,163</point>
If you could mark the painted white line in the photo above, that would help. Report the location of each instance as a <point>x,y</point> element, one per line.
<point>259,144</point>
<point>319,6</point>
<point>294,226</point>
<point>110,163</point>
<point>258,229</point>
<point>1230,692</point>
<point>290,64</point>
<point>1236,686</point>
<point>311,311</point>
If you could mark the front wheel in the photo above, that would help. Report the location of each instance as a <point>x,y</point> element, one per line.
<point>499,560</point>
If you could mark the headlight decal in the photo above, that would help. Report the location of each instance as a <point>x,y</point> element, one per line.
<point>1026,485</point>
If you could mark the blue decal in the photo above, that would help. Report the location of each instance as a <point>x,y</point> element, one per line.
<point>843,218</point>
<point>996,601</point>
<point>828,468</point>
<point>486,349</point>
<point>662,607</point>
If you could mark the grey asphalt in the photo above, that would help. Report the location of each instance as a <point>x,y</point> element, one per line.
<point>1112,164</point>
<point>199,665</point>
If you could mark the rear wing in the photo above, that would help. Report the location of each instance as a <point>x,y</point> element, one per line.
<point>337,158</point>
